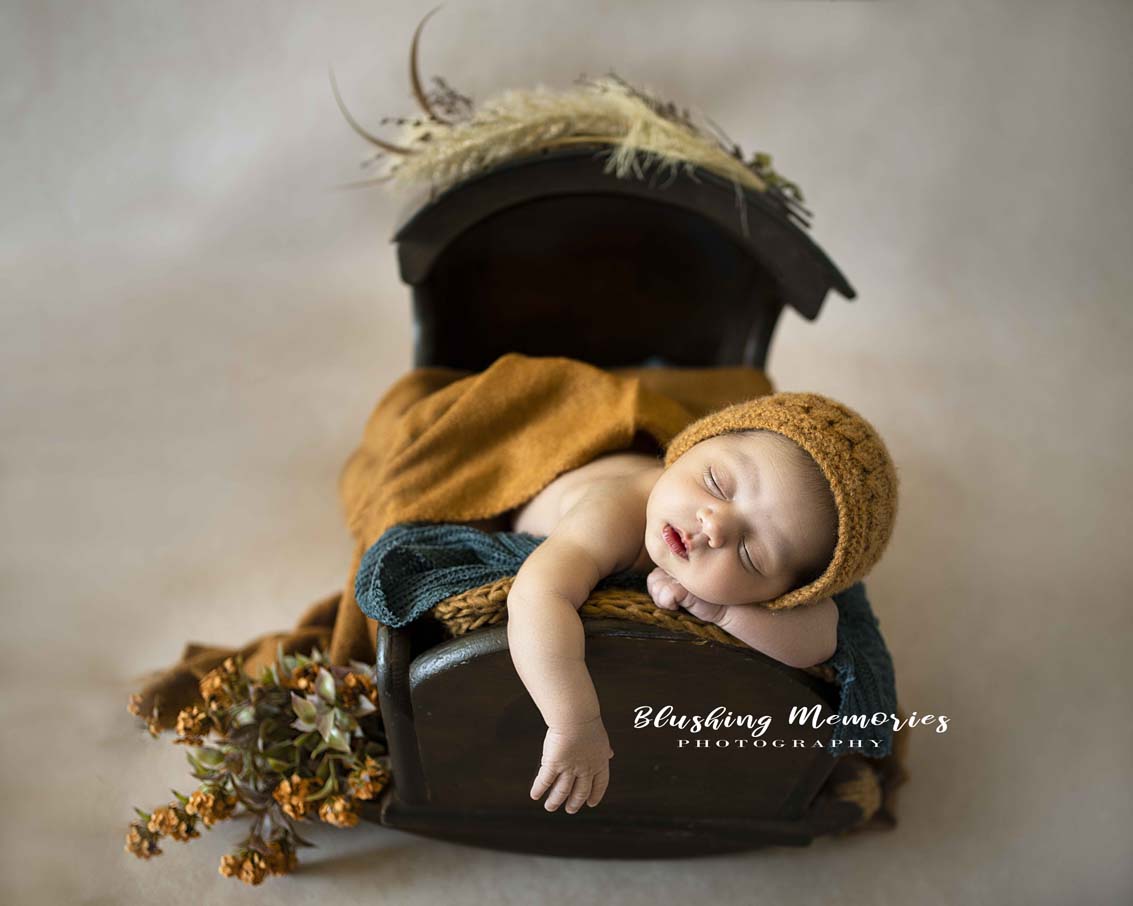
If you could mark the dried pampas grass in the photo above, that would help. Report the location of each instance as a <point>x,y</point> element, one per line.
<point>640,130</point>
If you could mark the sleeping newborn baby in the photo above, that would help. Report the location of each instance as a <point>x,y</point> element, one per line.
<point>759,513</point>
<point>752,517</point>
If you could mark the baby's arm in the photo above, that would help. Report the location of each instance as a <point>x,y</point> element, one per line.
<point>547,646</point>
<point>798,637</point>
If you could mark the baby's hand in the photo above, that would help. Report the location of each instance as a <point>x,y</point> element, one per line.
<point>575,766</point>
<point>666,592</point>
<point>669,594</point>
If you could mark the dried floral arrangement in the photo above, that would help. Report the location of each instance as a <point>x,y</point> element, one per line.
<point>451,141</point>
<point>303,741</point>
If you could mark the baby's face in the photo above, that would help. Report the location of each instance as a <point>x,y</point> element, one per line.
<point>749,520</point>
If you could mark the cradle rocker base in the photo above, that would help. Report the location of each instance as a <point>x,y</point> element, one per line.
<point>465,742</point>
<point>589,834</point>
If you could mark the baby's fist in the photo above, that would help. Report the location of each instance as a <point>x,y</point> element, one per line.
<point>669,594</point>
<point>666,592</point>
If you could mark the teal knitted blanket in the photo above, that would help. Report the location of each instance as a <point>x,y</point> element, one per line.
<point>416,565</point>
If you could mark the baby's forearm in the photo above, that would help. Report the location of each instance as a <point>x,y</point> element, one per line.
<point>547,645</point>
<point>800,637</point>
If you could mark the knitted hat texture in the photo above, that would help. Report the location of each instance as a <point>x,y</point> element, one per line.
<point>850,454</point>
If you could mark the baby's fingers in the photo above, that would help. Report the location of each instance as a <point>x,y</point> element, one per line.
<point>579,794</point>
<point>598,790</point>
<point>543,781</point>
<point>662,594</point>
<point>560,791</point>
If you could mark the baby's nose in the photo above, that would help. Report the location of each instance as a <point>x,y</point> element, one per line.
<point>713,526</point>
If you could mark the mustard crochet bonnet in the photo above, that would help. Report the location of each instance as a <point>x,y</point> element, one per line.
<point>850,454</point>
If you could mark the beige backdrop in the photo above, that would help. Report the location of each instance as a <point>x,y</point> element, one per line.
<point>195,326</point>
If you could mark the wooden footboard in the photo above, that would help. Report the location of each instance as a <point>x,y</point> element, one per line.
<point>465,742</point>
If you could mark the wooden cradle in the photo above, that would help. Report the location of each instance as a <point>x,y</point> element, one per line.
<point>549,255</point>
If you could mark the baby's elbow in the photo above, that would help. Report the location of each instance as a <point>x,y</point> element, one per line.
<point>812,658</point>
<point>821,643</point>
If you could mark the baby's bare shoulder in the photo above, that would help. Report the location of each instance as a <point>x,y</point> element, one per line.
<point>616,477</point>
<point>608,519</point>
<point>612,478</point>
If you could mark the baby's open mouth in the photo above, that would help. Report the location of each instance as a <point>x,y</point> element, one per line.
<point>673,539</point>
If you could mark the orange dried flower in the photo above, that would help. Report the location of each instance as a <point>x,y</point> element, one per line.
<point>213,689</point>
<point>368,779</point>
<point>355,686</point>
<point>339,811</point>
<point>230,865</point>
<point>210,807</point>
<point>192,726</point>
<point>303,678</point>
<point>254,869</point>
<point>173,821</point>
<point>249,866</point>
<point>281,858</point>
<point>214,684</point>
<point>292,795</point>
<point>162,821</point>
<point>142,842</point>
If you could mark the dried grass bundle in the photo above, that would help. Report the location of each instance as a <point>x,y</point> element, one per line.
<point>452,142</point>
